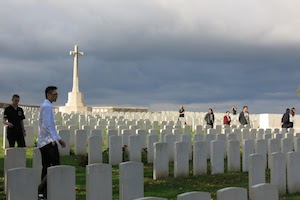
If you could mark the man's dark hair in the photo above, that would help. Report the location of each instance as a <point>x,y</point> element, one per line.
<point>245,107</point>
<point>15,96</point>
<point>49,89</point>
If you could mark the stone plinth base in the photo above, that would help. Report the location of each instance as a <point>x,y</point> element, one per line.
<point>75,109</point>
<point>75,99</point>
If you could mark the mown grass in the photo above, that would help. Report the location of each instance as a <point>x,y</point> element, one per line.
<point>168,188</point>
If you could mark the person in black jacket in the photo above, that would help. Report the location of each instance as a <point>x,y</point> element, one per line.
<point>13,117</point>
<point>210,118</point>
<point>244,116</point>
<point>285,120</point>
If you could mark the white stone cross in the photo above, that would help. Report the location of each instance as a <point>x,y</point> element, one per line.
<point>75,53</point>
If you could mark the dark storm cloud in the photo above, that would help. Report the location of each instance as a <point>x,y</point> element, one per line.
<point>157,54</point>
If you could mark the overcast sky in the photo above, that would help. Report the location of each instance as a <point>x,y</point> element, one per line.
<point>157,54</point>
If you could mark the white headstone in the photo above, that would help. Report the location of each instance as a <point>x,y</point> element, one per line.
<point>37,160</point>
<point>238,133</point>
<point>278,171</point>
<point>95,150</point>
<point>150,148</point>
<point>245,134</point>
<point>231,136</point>
<point>261,147</point>
<point>115,150</point>
<point>231,193</point>
<point>198,137</point>
<point>96,132</point>
<point>161,161</point>
<point>208,139</point>
<point>22,183</point>
<point>80,142</point>
<point>293,175</point>
<point>257,170</point>
<point>135,148</point>
<point>143,137</point>
<point>110,132</point>
<point>198,129</point>
<point>263,191</point>
<point>217,156</point>
<point>164,132</point>
<point>65,136</point>
<point>155,125</point>
<point>267,136</point>
<point>187,129</point>
<point>131,181</point>
<point>98,181</point>
<point>5,140</point>
<point>181,159</point>
<point>13,158</point>
<point>177,133</point>
<point>248,148</point>
<point>61,182</point>
<point>194,196</point>
<point>252,134</point>
<point>297,144</point>
<point>29,136</point>
<point>233,156</point>
<point>278,136</point>
<point>187,138</point>
<point>276,130</point>
<point>72,130</point>
<point>273,146</point>
<point>170,140</point>
<point>286,145</point>
<point>153,132</point>
<point>199,158</point>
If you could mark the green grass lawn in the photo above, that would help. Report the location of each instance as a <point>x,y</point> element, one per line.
<point>168,188</point>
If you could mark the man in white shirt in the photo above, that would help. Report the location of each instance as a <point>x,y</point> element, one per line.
<point>48,138</point>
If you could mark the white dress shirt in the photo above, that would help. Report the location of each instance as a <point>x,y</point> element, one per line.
<point>47,131</point>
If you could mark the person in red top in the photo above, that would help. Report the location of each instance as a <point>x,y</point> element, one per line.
<point>227,118</point>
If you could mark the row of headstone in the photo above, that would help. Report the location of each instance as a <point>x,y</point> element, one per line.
<point>23,184</point>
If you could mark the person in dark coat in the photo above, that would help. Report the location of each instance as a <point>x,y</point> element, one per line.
<point>244,116</point>
<point>234,110</point>
<point>285,120</point>
<point>210,118</point>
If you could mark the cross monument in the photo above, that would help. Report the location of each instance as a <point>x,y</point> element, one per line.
<point>75,97</point>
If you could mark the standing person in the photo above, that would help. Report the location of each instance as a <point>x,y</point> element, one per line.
<point>13,118</point>
<point>48,138</point>
<point>227,118</point>
<point>244,116</point>
<point>181,114</point>
<point>292,118</point>
<point>234,110</point>
<point>285,120</point>
<point>210,118</point>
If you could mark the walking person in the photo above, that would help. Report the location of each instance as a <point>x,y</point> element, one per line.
<point>227,118</point>
<point>292,118</point>
<point>210,118</point>
<point>244,116</point>
<point>13,117</point>
<point>48,138</point>
<point>181,114</point>
<point>234,110</point>
<point>285,120</point>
